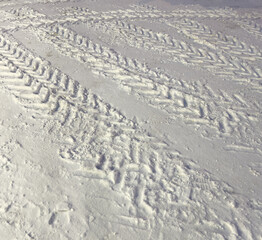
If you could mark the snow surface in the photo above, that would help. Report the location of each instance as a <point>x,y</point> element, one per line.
<point>130,119</point>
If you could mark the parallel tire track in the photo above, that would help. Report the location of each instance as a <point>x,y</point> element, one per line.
<point>196,105</point>
<point>222,65</point>
<point>136,12</point>
<point>145,12</point>
<point>110,147</point>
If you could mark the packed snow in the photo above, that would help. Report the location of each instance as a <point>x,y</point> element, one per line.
<point>130,120</point>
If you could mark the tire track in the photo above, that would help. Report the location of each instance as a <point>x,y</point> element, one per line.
<point>176,98</point>
<point>250,26</point>
<point>28,16</point>
<point>13,3</point>
<point>5,16</point>
<point>143,12</point>
<point>161,184</point>
<point>24,17</point>
<point>25,13</point>
<point>145,38</point>
<point>215,40</point>
<point>146,12</point>
<point>224,66</point>
<point>196,105</point>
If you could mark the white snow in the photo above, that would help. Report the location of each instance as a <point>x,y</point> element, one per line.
<point>130,119</point>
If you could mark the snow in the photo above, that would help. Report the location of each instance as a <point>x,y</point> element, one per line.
<point>130,119</point>
<point>219,3</point>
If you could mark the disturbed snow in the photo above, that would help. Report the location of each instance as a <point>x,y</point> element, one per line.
<point>130,120</point>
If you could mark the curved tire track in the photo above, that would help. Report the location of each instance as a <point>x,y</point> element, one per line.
<point>215,40</point>
<point>110,147</point>
<point>197,105</point>
<point>222,65</point>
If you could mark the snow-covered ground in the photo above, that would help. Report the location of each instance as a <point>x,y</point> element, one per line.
<point>130,119</point>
